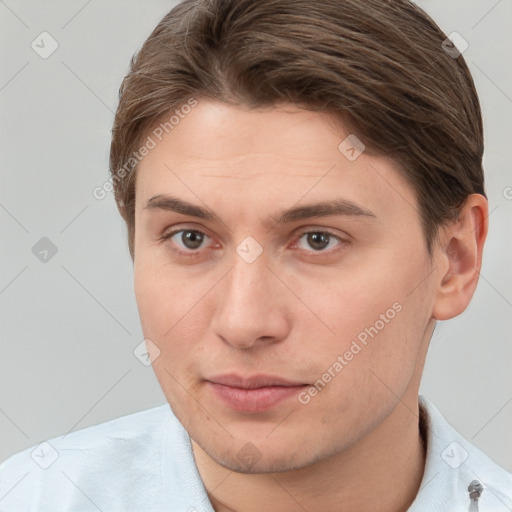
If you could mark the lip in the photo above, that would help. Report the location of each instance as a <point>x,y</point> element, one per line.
<point>255,393</point>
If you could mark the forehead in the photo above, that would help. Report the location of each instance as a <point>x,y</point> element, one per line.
<point>213,130</point>
<point>278,155</point>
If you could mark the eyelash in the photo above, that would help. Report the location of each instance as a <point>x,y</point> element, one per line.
<point>194,253</point>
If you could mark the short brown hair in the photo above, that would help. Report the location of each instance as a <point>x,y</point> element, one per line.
<point>381,64</point>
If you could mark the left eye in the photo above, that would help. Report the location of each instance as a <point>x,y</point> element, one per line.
<point>319,240</point>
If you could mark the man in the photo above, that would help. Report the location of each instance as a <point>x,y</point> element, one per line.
<point>303,190</point>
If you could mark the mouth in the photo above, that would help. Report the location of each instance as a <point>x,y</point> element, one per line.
<point>253,394</point>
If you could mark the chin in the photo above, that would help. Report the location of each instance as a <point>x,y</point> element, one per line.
<point>266,458</point>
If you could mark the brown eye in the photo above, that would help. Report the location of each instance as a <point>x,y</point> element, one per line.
<point>187,239</point>
<point>318,241</point>
<point>192,239</point>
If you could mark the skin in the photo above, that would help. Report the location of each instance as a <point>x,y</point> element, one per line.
<point>295,308</point>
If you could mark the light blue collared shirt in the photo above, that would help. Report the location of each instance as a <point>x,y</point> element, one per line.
<point>144,462</point>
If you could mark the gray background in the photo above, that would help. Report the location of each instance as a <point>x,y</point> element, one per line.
<point>70,325</point>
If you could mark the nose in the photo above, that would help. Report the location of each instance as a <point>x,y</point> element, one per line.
<point>252,305</point>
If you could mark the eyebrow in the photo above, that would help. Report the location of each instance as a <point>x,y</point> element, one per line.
<point>296,213</point>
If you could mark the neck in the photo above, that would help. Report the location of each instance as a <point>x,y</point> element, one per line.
<point>381,471</point>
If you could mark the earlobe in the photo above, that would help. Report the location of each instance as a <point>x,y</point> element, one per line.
<point>459,258</point>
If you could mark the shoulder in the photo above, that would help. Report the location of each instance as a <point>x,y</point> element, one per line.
<point>94,464</point>
<point>453,463</point>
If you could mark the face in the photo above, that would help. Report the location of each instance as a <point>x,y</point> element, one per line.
<point>280,281</point>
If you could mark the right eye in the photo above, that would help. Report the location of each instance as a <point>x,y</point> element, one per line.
<point>187,241</point>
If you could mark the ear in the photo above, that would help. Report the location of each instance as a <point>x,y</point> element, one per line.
<point>459,258</point>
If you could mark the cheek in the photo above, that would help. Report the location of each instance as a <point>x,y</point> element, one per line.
<point>376,323</point>
<point>168,319</point>
<point>164,297</point>
<point>149,297</point>
<point>174,315</point>
<point>359,372</point>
